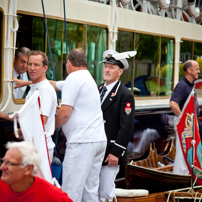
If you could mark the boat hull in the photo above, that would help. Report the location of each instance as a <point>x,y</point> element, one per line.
<point>138,177</point>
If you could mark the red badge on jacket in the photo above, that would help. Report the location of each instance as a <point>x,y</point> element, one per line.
<point>128,108</point>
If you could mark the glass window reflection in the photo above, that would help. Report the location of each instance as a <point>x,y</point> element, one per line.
<point>198,57</point>
<point>124,43</point>
<point>166,67</point>
<point>96,45</point>
<point>146,64</point>
<point>92,39</point>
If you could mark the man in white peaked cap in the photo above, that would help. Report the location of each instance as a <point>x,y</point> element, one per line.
<point>118,108</point>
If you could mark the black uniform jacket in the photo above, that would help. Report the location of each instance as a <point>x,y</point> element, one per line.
<point>119,115</point>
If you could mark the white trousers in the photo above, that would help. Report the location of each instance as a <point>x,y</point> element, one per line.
<point>107,185</point>
<point>81,169</point>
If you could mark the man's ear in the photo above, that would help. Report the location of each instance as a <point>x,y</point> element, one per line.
<point>45,67</point>
<point>29,169</point>
<point>120,71</point>
<point>69,62</point>
<point>189,69</point>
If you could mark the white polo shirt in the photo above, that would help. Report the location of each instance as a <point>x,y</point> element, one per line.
<point>85,123</point>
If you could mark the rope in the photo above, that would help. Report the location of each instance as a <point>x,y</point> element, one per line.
<point>59,130</point>
<point>200,198</point>
<point>169,196</point>
<point>195,197</point>
<point>44,15</point>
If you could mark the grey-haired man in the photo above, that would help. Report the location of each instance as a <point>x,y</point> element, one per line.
<point>20,70</point>
<point>18,181</point>
<point>118,108</point>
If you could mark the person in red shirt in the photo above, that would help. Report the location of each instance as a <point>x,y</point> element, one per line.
<point>18,183</point>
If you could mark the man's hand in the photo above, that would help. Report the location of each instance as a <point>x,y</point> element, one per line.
<point>57,108</point>
<point>5,116</point>
<point>112,160</point>
<point>1,115</point>
<point>21,83</point>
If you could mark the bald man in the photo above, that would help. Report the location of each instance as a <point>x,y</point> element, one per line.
<point>177,101</point>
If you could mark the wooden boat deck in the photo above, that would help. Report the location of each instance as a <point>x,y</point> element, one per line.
<point>146,173</point>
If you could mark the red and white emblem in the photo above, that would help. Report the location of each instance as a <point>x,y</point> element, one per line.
<point>128,108</point>
<point>113,94</point>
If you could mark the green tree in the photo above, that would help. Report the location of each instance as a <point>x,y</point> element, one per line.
<point>199,60</point>
<point>181,68</point>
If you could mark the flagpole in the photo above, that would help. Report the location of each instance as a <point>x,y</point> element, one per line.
<point>193,139</point>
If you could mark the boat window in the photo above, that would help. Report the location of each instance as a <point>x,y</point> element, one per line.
<point>92,39</point>
<point>1,57</point>
<point>198,54</point>
<point>146,65</point>
<point>185,54</point>
<point>31,32</point>
<point>152,67</point>
<point>190,50</point>
<point>198,57</point>
<point>56,31</point>
<point>124,43</point>
<point>166,68</point>
<point>96,45</point>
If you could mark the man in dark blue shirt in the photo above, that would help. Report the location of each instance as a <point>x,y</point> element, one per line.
<point>181,93</point>
<point>177,101</point>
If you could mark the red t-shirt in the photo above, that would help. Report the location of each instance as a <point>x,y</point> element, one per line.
<point>40,190</point>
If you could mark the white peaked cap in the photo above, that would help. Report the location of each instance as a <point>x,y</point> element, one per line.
<point>113,57</point>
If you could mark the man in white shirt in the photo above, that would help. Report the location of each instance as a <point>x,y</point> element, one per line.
<point>37,67</point>
<point>20,70</point>
<point>81,119</point>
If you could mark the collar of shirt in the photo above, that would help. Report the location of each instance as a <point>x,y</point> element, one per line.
<point>22,76</point>
<point>15,74</point>
<point>109,88</point>
<point>36,85</point>
<point>190,84</point>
